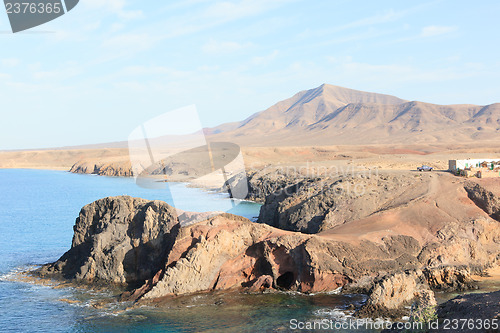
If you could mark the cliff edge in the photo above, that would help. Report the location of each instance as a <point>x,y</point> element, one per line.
<point>394,255</point>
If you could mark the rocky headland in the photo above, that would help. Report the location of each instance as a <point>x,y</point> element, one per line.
<point>115,169</point>
<point>393,236</point>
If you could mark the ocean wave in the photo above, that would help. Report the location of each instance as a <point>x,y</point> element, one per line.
<point>341,315</point>
<point>14,274</point>
<point>331,292</point>
<point>298,293</point>
<point>336,314</point>
<point>7,277</point>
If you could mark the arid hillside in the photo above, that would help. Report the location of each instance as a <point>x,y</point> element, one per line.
<point>328,125</point>
<point>331,115</point>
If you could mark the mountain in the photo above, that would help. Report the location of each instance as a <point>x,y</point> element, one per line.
<point>329,115</point>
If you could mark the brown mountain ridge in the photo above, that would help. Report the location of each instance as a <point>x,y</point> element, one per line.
<point>330,115</point>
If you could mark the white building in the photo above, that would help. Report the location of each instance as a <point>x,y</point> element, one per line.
<point>454,165</point>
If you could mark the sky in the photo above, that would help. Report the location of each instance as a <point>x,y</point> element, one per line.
<point>107,66</point>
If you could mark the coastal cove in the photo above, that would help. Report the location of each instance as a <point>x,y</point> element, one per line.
<point>36,226</point>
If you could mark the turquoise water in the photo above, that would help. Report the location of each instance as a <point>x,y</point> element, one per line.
<point>37,212</point>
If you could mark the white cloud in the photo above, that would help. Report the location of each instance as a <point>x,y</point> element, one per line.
<point>426,32</point>
<point>370,22</point>
<point>224,47</point>
<point>116,27</point>
<point>10,62</point>
<point>264,60</point>
<point>137,71</point>
<point>397,73</point>
<point>435,30</point>
<point>213,15</point>
<point>116,7</point>
<point>388,16</point>
<point>227,10</point>
<point>207,68</point>
<point>91,26</point>
<point>128,44</point>
<point>59,74</point>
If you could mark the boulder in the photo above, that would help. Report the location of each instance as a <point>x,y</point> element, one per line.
<point>392,295</point>
<point>122,240</point>
<point>450,278</point>
<point>487,200</point>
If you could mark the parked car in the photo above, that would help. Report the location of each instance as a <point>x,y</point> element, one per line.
<point>425,168</point>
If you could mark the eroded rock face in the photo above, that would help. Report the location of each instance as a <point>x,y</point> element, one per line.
<point>117,169</point>
<point>311,205</point>
<point>474,243</point>
<point>390,295</point>
<point>122,240</point>
<point>440,228</point>
<point>140,244</point>
<point>449,278</point>
<point>228,252</point>
<point>262,183</point>
<point>137,242</point>
<point>485,199</point>
<point>394,291</point>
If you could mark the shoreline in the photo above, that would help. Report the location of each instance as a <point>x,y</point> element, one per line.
<point>491,278</point>
<point>457,281</point>
<point>106,298</point>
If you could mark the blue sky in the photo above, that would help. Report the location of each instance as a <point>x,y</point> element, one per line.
<point>99,71</point>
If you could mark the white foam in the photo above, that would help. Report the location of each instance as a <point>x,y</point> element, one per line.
<point>13,275</point>
<point>7,277</point>
<point>331,292</point>
<point>336,314</point>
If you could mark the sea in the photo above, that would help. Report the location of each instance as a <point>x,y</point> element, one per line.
<point>38,209</point>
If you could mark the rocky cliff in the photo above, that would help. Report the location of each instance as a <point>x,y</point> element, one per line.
<point>445,215</point>
<point>131,241</point>
<point>311,205</point>
<point>115,169</point>
<point>122,240</point>
<point>487,200</point>
<point>403,244</point>
<point>450,223</point>
<point>262,183</point>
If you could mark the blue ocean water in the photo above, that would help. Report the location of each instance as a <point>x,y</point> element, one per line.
<point>37,212</point>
